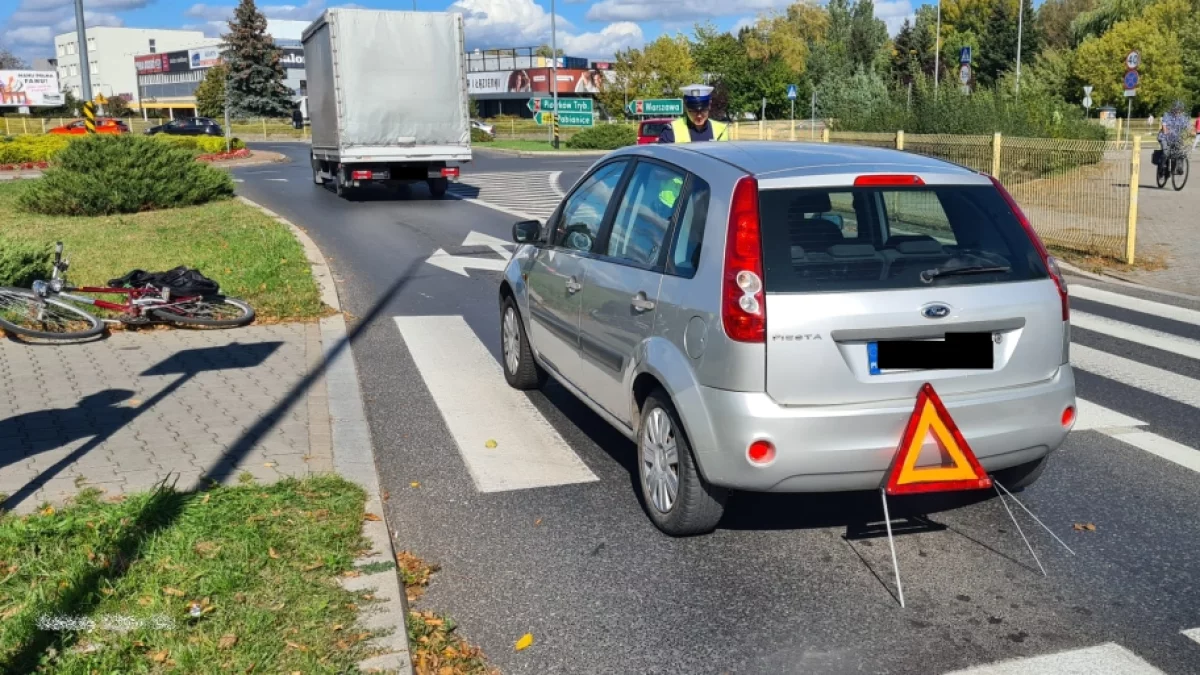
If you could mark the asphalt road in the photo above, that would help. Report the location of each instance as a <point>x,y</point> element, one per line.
<point>787,584</point>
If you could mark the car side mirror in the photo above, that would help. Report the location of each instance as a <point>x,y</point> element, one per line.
<point>526,231</point>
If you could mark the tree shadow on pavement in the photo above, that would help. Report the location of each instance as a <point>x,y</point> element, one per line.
<point>165,505</point>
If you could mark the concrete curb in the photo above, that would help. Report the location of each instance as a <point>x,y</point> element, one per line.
<point>1118,281</point>
<point>354,459</point>
<point>543,153</point>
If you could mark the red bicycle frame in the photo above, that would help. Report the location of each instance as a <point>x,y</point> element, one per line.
<point>133,307</point>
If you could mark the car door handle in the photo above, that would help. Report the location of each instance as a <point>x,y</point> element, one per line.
<point>641,303</point>
<point>573,286</point>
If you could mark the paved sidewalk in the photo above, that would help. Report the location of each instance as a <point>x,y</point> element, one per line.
<point>122,413</point>
<point>1168,229</point>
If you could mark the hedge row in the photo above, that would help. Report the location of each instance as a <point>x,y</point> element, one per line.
<point>17,150</point>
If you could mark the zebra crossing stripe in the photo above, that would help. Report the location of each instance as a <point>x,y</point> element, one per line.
<point>1134,333</point>
<point>1105,659</point>
<point>1137,304</point>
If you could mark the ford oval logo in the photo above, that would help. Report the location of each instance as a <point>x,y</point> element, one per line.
<point>935,311</point>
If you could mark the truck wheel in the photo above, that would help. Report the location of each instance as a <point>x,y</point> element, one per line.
<point>340,187</point>
<point>438,187</point>
<point>317,179</point>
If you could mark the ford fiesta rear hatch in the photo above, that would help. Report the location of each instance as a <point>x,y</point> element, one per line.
<point>875,287</point>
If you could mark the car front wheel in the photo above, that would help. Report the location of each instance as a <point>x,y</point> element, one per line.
<point>676,497</point>
<point>520,370</point>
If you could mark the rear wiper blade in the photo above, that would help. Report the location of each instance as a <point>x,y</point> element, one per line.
<point>929,275</point>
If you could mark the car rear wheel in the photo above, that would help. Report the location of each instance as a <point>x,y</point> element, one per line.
<point>1021,476</point>
<point>520,370</point>
<point>676,497</point>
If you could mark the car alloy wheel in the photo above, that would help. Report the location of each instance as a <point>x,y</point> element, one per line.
<point>512,340</point>
<point>660,461</point>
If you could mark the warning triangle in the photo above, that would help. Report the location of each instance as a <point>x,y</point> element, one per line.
<point>963,472</point>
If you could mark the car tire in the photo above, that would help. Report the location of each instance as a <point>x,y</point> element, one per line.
<point>316,169</point>
<point>1021,476</point>
<point>698,505</point>
<point>339,186</point>
<point>438,187</point>
<point>521,371</point>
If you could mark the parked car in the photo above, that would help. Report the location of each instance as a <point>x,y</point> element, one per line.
<point>188,126</point>
<point>650,130</point>
<point>489,129</point>
<point>722,305</point>
<point>104,125</point>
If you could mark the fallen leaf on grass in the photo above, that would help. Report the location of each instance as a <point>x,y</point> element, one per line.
<point>371,517</point>
<point>314,566</point>
<point>144,601</point>
<point>337,626</point>
<point>350,574</point>
<point>293,645</point>
<point>227,641</point>
<point>48,511</point>
<point>271,552</point>
<point>159,657</point>
<point>206,498</point>
<point>173,591</point>
<point>524,642</point>
<point>255,518</point>
<point>1080,527</point>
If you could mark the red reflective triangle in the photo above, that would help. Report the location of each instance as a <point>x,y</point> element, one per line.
<point>930,416</point>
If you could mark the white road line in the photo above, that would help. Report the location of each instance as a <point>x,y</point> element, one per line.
<point>1105,659</point>
<point>1134,333</point>
<point>1180,454</point>
<point>1165,383</point>
<point>478,406</point>
<point>554,186</point>
<point>1093,416</point>
<point>1136,304</point>
<point>497,207</point>
<point>1192,634</point>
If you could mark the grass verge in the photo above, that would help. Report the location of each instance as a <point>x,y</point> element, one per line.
<point>436,648</point>
<point>528,146</point>
<point>252,256</point>
<point>234,579</point>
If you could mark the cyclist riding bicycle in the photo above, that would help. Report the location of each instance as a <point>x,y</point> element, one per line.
<point>1172,132</point>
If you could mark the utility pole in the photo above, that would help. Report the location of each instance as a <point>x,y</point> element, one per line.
<point>228,131</point>
<point>1020,29</point>
<point>937,51</point>
<point>85,73</point>
<point>554,69</point>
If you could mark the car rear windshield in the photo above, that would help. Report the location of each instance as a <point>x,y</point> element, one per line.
<point>846,239</point>
<point>652,128</point>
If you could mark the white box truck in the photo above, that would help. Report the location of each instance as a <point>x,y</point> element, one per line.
<point>387,98</point>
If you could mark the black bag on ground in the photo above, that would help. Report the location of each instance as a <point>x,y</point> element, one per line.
<point>181,281</point>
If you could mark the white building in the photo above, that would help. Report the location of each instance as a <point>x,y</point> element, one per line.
<point>111,51</point>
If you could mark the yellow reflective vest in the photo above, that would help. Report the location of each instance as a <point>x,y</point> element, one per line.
<point>682,135</point>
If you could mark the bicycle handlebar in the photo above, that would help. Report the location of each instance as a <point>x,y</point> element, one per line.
<point>58,250</point>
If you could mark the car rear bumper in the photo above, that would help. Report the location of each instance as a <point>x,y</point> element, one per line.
<point>836,448</point>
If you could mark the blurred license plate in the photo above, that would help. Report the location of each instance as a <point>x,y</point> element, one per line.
<point>959,351</point>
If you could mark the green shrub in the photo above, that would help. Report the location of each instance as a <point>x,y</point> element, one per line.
<point>123,174</point>
<point>201,145</point>
<point>22,263</point>
<point>481,136</point>
<point>22,149</point>
<point>603,137</point>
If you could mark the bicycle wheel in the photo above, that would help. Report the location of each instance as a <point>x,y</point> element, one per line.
<point>1163,173</point>
<point>216,311</point>
<point>25,313</point>
<point>1179,179</point>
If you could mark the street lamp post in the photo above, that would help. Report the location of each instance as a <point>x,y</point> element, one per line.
<point>1020,30</point>
<point>554,71</point>
<point>85,75</point>
<point>937,50</point>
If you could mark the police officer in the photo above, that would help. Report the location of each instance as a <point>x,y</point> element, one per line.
<point>697,100</point>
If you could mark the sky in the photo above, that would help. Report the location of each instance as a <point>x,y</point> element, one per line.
<point>594,29</point>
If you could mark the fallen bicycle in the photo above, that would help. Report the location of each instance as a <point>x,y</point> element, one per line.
<point>49,309</point>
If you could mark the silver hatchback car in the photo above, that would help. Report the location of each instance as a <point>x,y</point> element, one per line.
<point>761,317</point>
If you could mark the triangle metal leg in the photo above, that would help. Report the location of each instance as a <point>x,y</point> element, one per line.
<point>887,519</point>
<point>1035,518</point>
<point>1019,530</point>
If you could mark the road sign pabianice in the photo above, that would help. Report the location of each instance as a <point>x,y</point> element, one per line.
<point>655,106</point>
<point>565,119</point>
<point>564,104</point>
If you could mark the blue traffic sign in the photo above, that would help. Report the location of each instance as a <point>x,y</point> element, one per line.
<point>791,92</point>
<point>964,55</point>
<point>1131,79</point>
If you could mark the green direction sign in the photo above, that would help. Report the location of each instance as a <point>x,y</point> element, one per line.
<point>564,105</point>
<point>567,119</point>
<point>655,106</point>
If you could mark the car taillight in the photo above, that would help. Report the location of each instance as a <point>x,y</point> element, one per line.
<point>450,172</point>
<point>360,175</point>
<point>743,307</point>
<point>1049,260</point>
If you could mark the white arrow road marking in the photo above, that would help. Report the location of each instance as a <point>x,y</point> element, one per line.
<point>496,244</point>
<point>478,406</point>
<point>1192,634</point>
<point>459,264</point>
